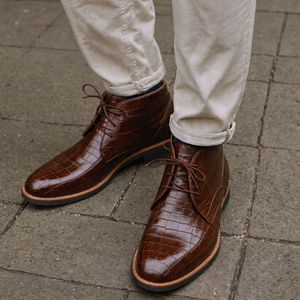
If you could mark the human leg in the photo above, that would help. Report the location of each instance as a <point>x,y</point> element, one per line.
<point>212,48</point>
<point>117,39</point>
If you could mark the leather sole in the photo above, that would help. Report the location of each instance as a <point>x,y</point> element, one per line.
<point>147,154</point>
<point>171,285</point>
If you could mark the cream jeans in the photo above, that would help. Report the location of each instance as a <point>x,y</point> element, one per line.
<point>212,50</point>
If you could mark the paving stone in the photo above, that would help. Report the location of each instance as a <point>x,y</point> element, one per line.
<point>25,147</point>
<point>135,207</point>
<point>290,44</point>
<point>151,296</point>
<point>292,6</point>
<point>276,208</point>
<point>249,115</point>
<point>24,286</point>
<point>49,89</point>
<point>287,70</point>
<point>71,247</point>
<point>163,7</point>
<point>242,162</point>
<point>216,281</point>
<point>9,59</point>
<point>266,34</point>
<point>271,272</point>
<point>59,36</point>
<point>103,203</point>
<point>164,33</point>
<point>7,213</point>
<point>22,22</point>
<point>260,67</point>
<point>282,119</point>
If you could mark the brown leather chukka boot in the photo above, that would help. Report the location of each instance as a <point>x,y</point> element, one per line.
<point>122,131</point>
<point>182,236</point>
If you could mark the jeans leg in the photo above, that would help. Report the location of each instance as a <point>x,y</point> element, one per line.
<point>117,39</point>
<point>213,41</point>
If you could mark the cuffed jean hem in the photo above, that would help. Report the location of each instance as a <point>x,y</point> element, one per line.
<point>204,140</point>
<point>137,87</point>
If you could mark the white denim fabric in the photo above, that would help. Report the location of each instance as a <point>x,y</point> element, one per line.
<point>212,50</point>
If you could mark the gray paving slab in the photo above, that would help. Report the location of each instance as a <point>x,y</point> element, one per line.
<point>249,115</point>
<point>163,7</point>
<point>282,119</point>
<point>260,68</point>
<point>164,33</point>
<point>71,247</point>
<point>135,207</point>
<point>24,286</point>
<point>58,36</point>
<point>290,44</point>
<point>270,272</point>
<point>242,162</point>
<point>266,34</point>
<point>25,147</point>
<point>48,88</point>
<point>7,213</point>
<point>287,70</point>
<point>151,296</point>
<point>9,59</point>
<point>292,6</point>
<point>276,207</point>
<point>22,22</point>
<point>103,203</point>
<point>216,281</point>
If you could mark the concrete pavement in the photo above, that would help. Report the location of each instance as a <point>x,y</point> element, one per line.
<point>84,250</point>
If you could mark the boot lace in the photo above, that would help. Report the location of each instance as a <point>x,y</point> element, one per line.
<point>103,109</point>
<point>191,169</point>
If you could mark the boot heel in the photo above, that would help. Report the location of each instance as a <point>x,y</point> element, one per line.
<point>159,152</point>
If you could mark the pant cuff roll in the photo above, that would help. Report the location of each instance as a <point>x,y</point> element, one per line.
<point>202,139</point>
<point>137,87</point>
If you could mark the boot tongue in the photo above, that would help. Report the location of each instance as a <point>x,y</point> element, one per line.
<point>113,100</point>
<point>184,152</point>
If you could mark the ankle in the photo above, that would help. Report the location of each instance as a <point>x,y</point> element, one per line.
<point>154,88</point>
<point>176,140</point>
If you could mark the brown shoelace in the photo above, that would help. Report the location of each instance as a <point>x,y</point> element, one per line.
<point>191,171</point>
<point>103,109</point>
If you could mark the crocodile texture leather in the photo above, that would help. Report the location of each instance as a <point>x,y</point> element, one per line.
<point>119,129</point>
<point>184,227</point>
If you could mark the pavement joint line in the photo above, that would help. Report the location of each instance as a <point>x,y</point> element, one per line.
<point>127,291</point>
<point>65,280</point>
<point>257,80</point>
<point>107,218</point>
<point>13,220</point>
<point>126,295</point>
<point>40,122</point>
<point>46,28</point>
<point>241,260</point>
<point>277,12</point>
<point>124,192</point>
<point>273,240</point>
<point>285,83</point>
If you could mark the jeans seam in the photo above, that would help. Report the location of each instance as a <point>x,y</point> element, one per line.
<point>128,47</point>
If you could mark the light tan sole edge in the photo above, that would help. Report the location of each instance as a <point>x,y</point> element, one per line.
<point>108,177</point>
